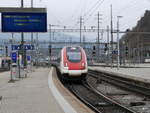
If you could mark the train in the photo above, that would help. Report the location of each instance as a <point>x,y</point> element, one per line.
<point>5,63</point>
<point>73,63</point>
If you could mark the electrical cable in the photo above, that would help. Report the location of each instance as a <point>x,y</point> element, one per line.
<point>90,15</point>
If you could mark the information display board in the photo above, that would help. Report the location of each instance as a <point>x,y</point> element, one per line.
<point>24,22</point>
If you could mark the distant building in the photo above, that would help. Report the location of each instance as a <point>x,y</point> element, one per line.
<point>135,47</point>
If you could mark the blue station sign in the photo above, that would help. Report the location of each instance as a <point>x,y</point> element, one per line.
<point>115,52</point>
<point>24,22</point>
<point>29,47</point>
<point>28,58</point>
<point>26,47</point>
<point>14,56</point>
<point>15,47</point>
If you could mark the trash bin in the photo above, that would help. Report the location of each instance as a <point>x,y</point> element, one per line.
<point>14,71</point>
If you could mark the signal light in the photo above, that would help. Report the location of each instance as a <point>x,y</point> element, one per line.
<point>105,48</point>
<point>126,50</point>
<point>93,53</point>
<point>94,48</point>
<point>49,49</point>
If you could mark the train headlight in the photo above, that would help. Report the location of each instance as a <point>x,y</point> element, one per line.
<point>66,65</point>
<point>83,64</point>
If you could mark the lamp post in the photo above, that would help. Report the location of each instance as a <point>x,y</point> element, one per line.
<point>118,49</point>
<point>31,39</point>
<point>49,47</point>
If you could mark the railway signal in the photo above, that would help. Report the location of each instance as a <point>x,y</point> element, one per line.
<point>126,50</point>
<point>6,47</point>
<point>94,50</point>
<point>50,50</point>
<point>106,47</point>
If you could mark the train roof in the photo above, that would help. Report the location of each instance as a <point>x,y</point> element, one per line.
<point>73,47</point>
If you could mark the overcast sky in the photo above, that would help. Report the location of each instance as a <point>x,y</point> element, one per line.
<point>67,12</point>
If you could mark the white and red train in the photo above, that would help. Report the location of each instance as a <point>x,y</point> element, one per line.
<point>73,63</point>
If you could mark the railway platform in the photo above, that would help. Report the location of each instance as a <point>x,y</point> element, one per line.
<point>139,72</point>
<point>40,92</point>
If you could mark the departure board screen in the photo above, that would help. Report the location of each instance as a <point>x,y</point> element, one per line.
<point>24,22</point>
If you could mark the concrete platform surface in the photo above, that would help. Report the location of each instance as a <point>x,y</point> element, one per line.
<point>139,74</point>
<point>29,95</point>
<point>127,65</point>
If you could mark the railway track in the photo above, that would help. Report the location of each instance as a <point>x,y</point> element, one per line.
<point>111,99</point>
<point>95,100</point>
<point>134,96</point>
<point>134,86</point>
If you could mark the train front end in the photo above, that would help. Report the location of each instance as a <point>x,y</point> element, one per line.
<point>73,63</point>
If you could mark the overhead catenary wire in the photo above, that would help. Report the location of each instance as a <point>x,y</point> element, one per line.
<point>130,5</point>
<point>76,23</point>
<point>57,20</point>
<point>90,15</point>
<point>121,10</point>
<point>87,12</point>
<point>134,18</point>
<point>77,7</point>
<point>124,9</point>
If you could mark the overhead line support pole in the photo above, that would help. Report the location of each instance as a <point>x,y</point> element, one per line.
<point>37,48</point>
<point>118,47</point>
<point>32,38</point>
<point>22,43</point>
<point>108,45</point>
<point>50,42</point>
<point>111,24</point>
<point>98,38</point>
<point>31,3</point>
<point>80,30</point>
<point>118,53</point>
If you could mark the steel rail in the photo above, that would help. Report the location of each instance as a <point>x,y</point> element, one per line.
<point>109,99</point>
<point>106,99</point>
<point>83,100</point>
<point>122,82</point>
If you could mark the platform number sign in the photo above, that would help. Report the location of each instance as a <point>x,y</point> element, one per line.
<point>28,58</point>
<point>14,56</point>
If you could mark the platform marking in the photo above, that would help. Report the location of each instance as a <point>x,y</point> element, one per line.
<point>67,108</point>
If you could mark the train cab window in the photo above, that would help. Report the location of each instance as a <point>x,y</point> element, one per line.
<point>74,54</point>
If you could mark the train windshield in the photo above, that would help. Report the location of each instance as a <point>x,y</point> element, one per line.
<point>74,54</point>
